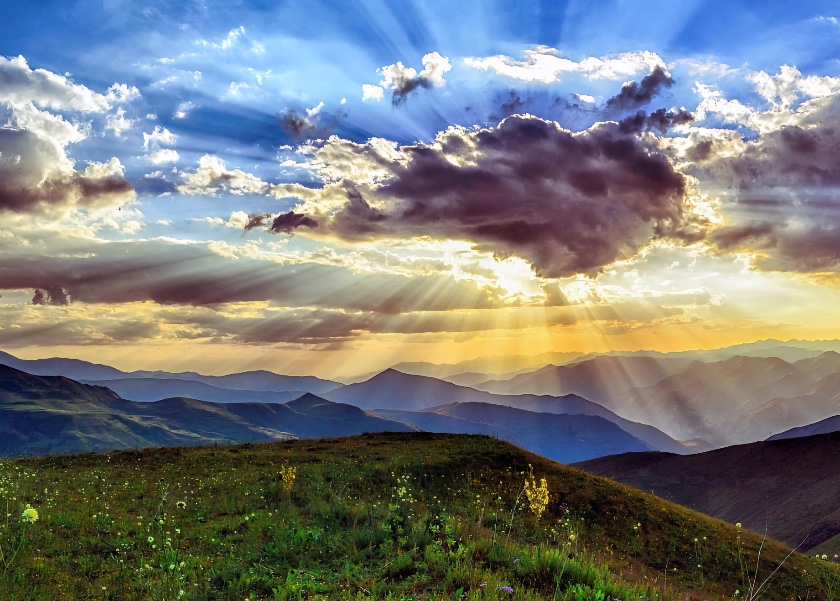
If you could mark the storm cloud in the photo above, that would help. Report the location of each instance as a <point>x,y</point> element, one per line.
<point>567,203</point>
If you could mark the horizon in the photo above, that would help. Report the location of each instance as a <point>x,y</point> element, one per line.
<point>321,190</point>
<point>339,376</point>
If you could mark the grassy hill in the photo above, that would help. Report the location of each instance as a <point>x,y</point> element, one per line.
<point>386,516</point>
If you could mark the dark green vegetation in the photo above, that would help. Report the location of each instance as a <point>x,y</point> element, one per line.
<point>388,516</point>
<point>788,487</point>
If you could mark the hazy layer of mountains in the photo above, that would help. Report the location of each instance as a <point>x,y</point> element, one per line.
<point>581,407</point>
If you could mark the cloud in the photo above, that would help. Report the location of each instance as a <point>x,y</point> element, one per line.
<point>403,81</point>
<point>118,123</point>
<point>567,203</point>
<point>51,295</point>
<point>20,84</point>
<point>635,94</point>
<point>36,176</point>
<point>781,191</point>
<point>159,136</point>
<point>212,177</point>
<point>36,173</point>
<point>166,155</point>
<point>545,65</point>
<point>315,123</point>
<point>660,120</point>
<point>211,274</point>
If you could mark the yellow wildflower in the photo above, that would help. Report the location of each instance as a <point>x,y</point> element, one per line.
<point>30,514</point>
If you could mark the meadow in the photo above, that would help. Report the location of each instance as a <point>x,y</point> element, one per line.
<point>384,516</point>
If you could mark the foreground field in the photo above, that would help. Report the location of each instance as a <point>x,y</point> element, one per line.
<point>387,516</point>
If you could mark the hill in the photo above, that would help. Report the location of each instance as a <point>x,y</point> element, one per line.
<point>561,437</point>
<point>399,516</point>
<point>54,414</point>
<point>394,390</point>
<point>787,486</point>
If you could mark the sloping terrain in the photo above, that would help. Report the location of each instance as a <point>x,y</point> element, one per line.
<point>790,487</point>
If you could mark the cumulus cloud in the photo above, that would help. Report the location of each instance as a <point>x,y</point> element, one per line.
<point>782,191</point>
<point>212,177</point>
<point>402,80</point>
<point>544,64</point>
<point>36,173</point>
<point>635,94</point>
<point>567,203</point>
<point>165,155</point>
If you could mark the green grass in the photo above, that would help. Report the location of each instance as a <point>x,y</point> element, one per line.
<point>390,516</point>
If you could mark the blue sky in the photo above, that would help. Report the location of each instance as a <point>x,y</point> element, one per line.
<point>366,140</point>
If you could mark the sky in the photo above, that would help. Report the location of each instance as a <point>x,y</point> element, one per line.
<point>334,187</point>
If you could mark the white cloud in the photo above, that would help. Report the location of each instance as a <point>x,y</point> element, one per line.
<point>315,109</point>
<point>166,155</point>
<point>212,176</point>
<point>118,123</point>
<point>183,110</point>
<point>160,136</point>
<point>227,42</point>
<point>371,92</point>
<point>402,80</point>
<point>544,64</point>
<point>120,93</point>
<point>20,84</point>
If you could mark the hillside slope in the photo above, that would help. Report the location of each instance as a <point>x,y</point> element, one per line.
<point>400,516</point>
<point>788,486</point>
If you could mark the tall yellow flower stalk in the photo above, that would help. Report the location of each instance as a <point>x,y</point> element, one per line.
<point>288,474</point>
<point>537,494</point>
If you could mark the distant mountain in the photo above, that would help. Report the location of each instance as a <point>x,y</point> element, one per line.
<point>561,437</point>
<point>737,400</point>
<point>598,379</point>
<point>54,414</point>
<point>394,390</point>
<point>263,381</point>
<point>825,426</point>
<point>787,486</point>
<point>155,389</point>
<point>486,365</point>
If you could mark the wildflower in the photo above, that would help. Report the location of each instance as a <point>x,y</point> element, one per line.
<point>288,474</point>
<point>537,494</point>
<point>506,589</point>
<point>572,538</point>
<point>30,514</point>
<point>181,505</point>
<point>738,525</point>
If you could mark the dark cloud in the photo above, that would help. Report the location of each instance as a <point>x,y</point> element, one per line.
<point>37,177</point>
<point>404,88</point>
<point>513,105</point>
<point>51,295</point>
<point>286,223</point>
<point>191,274</point>
<point>319,125</point>
<point>567,203</point>
<point>256,220</point>
<point>784,193</point>
<point>660,120</point>
<point>636,94</point>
